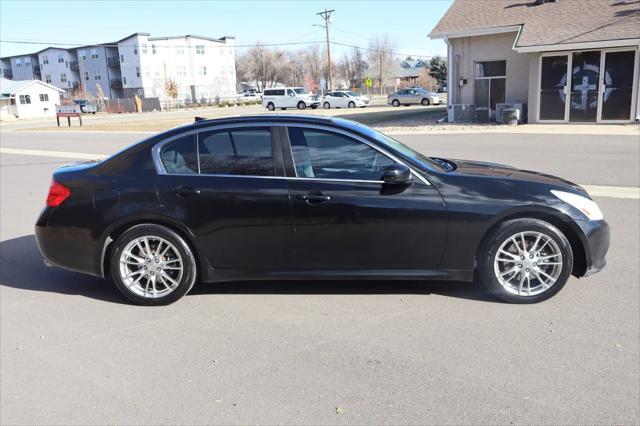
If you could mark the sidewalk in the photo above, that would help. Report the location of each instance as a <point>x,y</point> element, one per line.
<point>551,129</point>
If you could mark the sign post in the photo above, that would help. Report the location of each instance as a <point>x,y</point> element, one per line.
<point>68,111</point>
<point>368,83</point>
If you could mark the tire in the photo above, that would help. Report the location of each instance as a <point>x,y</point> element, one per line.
<point>271,106</point>
<point>326,105</point>
<point>171,282</point>
<point>351,104</point>
<point>314,106</point>
<point>301,105</point>
<point>425,102</point>
<point>513,288</point>
<point>395,103</point>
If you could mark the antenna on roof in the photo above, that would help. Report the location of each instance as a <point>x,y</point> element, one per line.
<point>199,119</point>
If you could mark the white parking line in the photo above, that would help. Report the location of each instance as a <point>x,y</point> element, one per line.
<point>61,154</point>
<point>628,192</point>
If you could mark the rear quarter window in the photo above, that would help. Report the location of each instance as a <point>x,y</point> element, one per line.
<point>179,156</point>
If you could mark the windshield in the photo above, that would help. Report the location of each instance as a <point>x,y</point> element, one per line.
<point>415,157</point>
<point>300,91</point>
<point>352,94</point>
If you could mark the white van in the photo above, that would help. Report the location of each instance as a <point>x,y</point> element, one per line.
<point>289,97</point>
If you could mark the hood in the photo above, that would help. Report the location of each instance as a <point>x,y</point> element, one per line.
<point>479,168</point>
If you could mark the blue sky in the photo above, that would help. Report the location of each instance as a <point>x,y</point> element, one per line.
<point>354,22</point>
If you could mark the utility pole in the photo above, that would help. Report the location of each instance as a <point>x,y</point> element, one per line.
<point>380,70</point>
<point>326,15</point>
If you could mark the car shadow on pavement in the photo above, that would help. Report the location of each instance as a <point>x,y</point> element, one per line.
<point>21,267</point>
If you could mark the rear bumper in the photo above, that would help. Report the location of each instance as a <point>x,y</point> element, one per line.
<point>596,239</point>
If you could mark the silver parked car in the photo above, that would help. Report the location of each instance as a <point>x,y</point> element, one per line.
<point>413,96</point>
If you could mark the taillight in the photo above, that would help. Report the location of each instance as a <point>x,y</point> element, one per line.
<point>57,194</point>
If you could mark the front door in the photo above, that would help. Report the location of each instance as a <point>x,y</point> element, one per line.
<point>585,80</point>
<point>232,196</point>
<point>346,218</point>
<point>617,85</point>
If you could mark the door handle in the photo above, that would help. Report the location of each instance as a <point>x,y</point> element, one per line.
<point>185,191</point>
<point>313,198</point>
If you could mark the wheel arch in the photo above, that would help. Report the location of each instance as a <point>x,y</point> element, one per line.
<point>118,228</point>
<point>561,221</point>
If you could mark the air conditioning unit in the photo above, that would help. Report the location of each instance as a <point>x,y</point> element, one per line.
<point>463,113</point>
<point>519,106</point>
<point>481,115</point>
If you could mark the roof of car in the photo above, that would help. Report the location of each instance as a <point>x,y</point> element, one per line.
<point>266,118</point>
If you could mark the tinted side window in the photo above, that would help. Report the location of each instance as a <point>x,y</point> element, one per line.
<point>268,92</point>
<point>320,154</point>
<point>179,156</point>
<point>236,152</point>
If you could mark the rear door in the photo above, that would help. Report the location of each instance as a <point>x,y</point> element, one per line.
<point>345,218</point>
<point>227,186</point>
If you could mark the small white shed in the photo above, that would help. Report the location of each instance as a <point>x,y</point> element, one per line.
<point>28,99</point>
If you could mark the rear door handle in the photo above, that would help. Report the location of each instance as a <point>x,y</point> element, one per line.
<point>313,198</point>
<point>186,191</point>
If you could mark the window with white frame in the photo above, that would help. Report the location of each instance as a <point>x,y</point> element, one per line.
<point>18,62</point>
<point>97,76</point>
<point>27,62</point>
<point>60,58</point>
<point>44,97</point>
<point>145,71</point>
<point>489,83</point>
<point>181,71</point>
<point>153,49</point>
<point>25,99</point>
<point>137,71</point>
<point>179,50</point>
<point>202,71</point>
<point>156,73</point>
<point>124,81</point>
<point>47,78</point>
<point>63,78</point>
<point>144,48</point>
<point>86,75</point>
<point>94,54</point>
<point>83,54</point>
<point>199,49</point>
<point>45,60</point>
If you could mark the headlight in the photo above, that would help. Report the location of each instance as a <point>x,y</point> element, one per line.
<point>588,207</point>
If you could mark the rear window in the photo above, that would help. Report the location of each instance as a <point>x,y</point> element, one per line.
<point>236,152</point>
<point>179,156</point>
<point>274,92</point>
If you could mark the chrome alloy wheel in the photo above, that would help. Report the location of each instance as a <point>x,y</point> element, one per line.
<point>151,266</point>
<point>528,263</point>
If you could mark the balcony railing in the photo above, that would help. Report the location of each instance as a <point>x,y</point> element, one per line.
<point>73,66</point>
<point>115,84</point>
<point>113,62</point>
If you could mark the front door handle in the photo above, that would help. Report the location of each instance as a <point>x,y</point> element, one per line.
<point>313,198</point>
<point>186,191</point>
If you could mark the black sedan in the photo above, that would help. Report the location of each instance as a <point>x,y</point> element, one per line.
<point>298,197</point>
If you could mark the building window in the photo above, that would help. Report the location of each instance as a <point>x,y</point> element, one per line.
<point>199,49</point>
<point>86,75</point>
<point>83,55</point>
<point>97,76</point>
<point>60,59</point>
<point>44,97</point>
<point>121,58</point>
<point>145,71</point>
<point>203,71</point>
<point>144,49</point>
<point>63,78</point>
<point>181,71</point>
<point>45,60</point>
<point>179,50</point>
<point>66,64</point>
<point>135,50</point>
<point>156,73</point>
<point>27,62</point>
<point>489,83</point>
<point>124,81</point>
<point>153,49</point>
<point>94,54</point>
<point>137,71</point>
<point>25,99</point>
<point>47,78</point>
<point>18,62</point>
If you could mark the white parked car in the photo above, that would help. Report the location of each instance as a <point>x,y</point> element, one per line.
<point>344,99</point>
<point>289,97</point>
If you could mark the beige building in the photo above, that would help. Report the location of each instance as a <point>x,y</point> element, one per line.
<point>557,61</point>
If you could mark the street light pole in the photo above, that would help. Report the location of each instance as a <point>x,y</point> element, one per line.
<point>326,15</point>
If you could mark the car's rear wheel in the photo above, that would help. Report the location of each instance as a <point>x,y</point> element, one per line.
<point>351,104</point>
<point>271,106</point>
<point>152,265</point>
<point>301,105</point>
<point>326,105</point>
<point>395,103</point>
<point>525,261</point>
<point>425,102</point>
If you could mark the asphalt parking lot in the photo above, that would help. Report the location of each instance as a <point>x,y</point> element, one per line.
<point>73,351</point>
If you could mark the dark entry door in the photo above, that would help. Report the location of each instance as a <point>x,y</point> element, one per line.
<point>585,81</point>
<point>617,89</point>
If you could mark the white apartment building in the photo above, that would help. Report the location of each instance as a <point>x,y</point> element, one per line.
<point>201,67</point>
<point>59,67</point>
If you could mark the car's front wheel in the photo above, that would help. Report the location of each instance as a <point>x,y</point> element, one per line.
<point>152,265</point>
<point>525,261</point>
<point>271,106</point>
<point>301,105</point>
<point>351,104</point>
<point>395,103</point>
<point>425,102</point>
<point>326,105</point>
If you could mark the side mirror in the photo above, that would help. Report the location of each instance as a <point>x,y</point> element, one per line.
<point>397,174</point>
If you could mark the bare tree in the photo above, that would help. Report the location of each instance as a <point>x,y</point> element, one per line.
<point>381,59</point>
<point>171,89</point>
<point>267,67</point>
<point>297,67</point>
<point>352,67</point>
<point>315,65</point>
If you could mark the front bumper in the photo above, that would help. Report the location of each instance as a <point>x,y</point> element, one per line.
<point>595,239</point>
